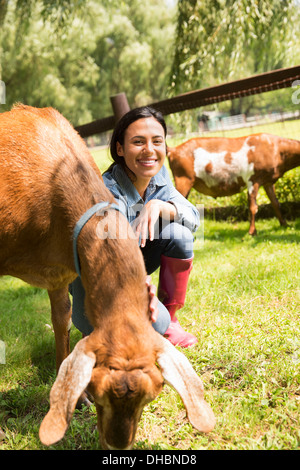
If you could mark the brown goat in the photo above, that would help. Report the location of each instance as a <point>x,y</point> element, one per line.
<point>48,181</point>
<point>219,166</point>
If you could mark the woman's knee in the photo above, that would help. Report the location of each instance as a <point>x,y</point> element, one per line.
<point>163,320</point>
<point>175,241</point>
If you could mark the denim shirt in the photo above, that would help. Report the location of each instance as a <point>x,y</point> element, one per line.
<point>160,187</point>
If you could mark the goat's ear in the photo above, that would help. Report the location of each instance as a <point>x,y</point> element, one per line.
<point>179,373</point>
<point>73,377</point>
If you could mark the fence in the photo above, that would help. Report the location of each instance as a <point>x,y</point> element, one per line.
<point>274,80</point>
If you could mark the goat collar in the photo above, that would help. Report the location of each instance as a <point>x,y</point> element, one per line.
<point>81,223</point>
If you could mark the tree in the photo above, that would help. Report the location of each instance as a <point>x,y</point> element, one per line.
<point>75,63</point>
<point>46,68</point>
<point>222,40</point>
<point>132,51</point>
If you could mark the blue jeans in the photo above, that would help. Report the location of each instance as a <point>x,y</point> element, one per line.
<point>173,240</point>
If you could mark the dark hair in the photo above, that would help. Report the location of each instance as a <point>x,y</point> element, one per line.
<point>125,121</point>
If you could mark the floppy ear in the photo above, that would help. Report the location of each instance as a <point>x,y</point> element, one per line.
<point>73,377</point>
<point>179,373</point>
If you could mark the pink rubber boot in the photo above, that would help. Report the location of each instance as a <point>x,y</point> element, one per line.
<point>173,280</point>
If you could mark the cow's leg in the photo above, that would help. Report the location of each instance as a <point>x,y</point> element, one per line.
<point>252,195</point>
<point>61,320</point>
<point>270,190</point>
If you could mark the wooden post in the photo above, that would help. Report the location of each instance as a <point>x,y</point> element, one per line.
<point>120,105</point>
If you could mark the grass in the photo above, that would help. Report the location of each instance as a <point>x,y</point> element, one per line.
<point>243,305</point>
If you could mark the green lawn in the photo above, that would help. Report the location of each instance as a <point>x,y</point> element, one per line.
<point>243,305</point>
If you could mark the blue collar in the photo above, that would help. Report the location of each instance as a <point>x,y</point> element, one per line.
<point>81,223</point>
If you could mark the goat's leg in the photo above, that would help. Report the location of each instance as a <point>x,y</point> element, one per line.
<point>2,435</point>
<point>61,320</point>
<point>270,190</point>
<point>252,195</point>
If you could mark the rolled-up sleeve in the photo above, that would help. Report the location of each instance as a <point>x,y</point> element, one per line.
<point>187,213</point>
<point>160,187</point>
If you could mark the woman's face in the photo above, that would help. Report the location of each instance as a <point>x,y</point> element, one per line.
<point>144,148</point>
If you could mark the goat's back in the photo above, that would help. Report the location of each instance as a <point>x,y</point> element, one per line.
<point>48,180</point>
<point>40,152</point>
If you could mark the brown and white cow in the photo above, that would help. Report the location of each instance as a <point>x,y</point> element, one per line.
<point>219,166</point>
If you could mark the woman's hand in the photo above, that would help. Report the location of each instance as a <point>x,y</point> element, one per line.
<point>148,217</point>
<point>153,300</point>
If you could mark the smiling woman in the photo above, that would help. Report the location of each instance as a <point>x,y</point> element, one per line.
<point>161,218</point>
<point>144,151</point>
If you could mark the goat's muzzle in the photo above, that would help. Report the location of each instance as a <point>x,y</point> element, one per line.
<point>119,407</point>
<point>116,432</point>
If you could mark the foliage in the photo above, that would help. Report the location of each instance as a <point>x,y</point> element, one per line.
<point>288,187</point>
<point>76,62</point>
<point>58,11</point>
<point>76,55</point>
<point>226,40</point>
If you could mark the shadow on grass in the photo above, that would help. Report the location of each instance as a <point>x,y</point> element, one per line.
<point>30,369</point>
<point>26,327</point>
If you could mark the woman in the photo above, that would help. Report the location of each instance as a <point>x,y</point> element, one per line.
<point>161,217</point>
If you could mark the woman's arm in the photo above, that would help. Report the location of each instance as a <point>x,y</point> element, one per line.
<point>148,217</point>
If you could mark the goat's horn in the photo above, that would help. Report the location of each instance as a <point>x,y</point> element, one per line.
<point>179,373</point>
<point>73,377</point>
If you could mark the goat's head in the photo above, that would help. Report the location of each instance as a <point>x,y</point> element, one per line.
<point>120,395</point>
